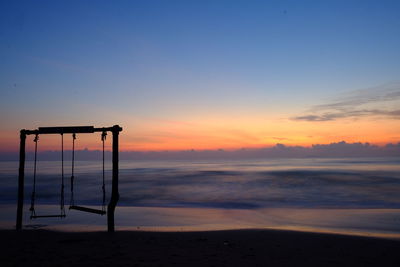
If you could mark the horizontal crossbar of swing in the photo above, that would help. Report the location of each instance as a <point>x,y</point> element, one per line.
<point>86,209</point>
<point>48,216</point>
<point>71,129</point>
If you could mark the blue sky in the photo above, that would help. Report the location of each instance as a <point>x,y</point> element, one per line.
<point>106,62</point>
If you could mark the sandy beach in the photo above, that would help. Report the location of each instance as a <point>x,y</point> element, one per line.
<point>211,248</point>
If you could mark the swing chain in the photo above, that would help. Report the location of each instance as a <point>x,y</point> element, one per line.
<point>33,196</point>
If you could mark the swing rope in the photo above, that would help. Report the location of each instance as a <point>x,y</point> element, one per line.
<point>62,177</point>
<point>103,138</point>
<point>71,203</point>
<point>33,196</point>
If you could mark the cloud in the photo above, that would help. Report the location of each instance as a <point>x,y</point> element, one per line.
<point>380,101</point>
<point>394,114</point>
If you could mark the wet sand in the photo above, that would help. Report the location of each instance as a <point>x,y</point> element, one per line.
<point>211,248</point>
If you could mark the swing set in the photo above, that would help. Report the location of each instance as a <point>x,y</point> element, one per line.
<point>69,130</point>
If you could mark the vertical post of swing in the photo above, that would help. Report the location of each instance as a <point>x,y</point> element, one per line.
<point>114,191</point>
<point>21,179</point>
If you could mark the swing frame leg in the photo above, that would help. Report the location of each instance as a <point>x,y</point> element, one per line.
<point>21,179</point>
<point>114,190</point>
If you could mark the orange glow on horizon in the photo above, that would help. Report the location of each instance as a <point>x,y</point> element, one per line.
<point>242,133</point>
<point>222,133</point>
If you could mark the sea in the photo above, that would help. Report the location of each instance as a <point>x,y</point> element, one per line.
<point>357,196</point>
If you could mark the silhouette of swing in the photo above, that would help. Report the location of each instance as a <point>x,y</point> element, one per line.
<point>72,204</point>
<point>62,130</point>
<point>33,195</point>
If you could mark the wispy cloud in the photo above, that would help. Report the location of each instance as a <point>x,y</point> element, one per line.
<point>380,101</point>
<point>394,114</point>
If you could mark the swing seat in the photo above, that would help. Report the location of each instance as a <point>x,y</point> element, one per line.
<point>86,209</point>
<point>48,216</point>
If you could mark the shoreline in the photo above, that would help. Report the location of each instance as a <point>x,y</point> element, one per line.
<point>381,223</point>
<point>202,248</point>
<point>360,222</point>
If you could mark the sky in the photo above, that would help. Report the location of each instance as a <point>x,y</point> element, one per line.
<point>182,75</point>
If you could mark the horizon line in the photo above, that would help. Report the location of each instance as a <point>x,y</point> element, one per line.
<point>231,149</point>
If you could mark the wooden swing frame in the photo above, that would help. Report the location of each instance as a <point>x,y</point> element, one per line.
<point>71,130</point>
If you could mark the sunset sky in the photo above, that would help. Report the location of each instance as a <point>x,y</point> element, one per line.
<point>180,75</point>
